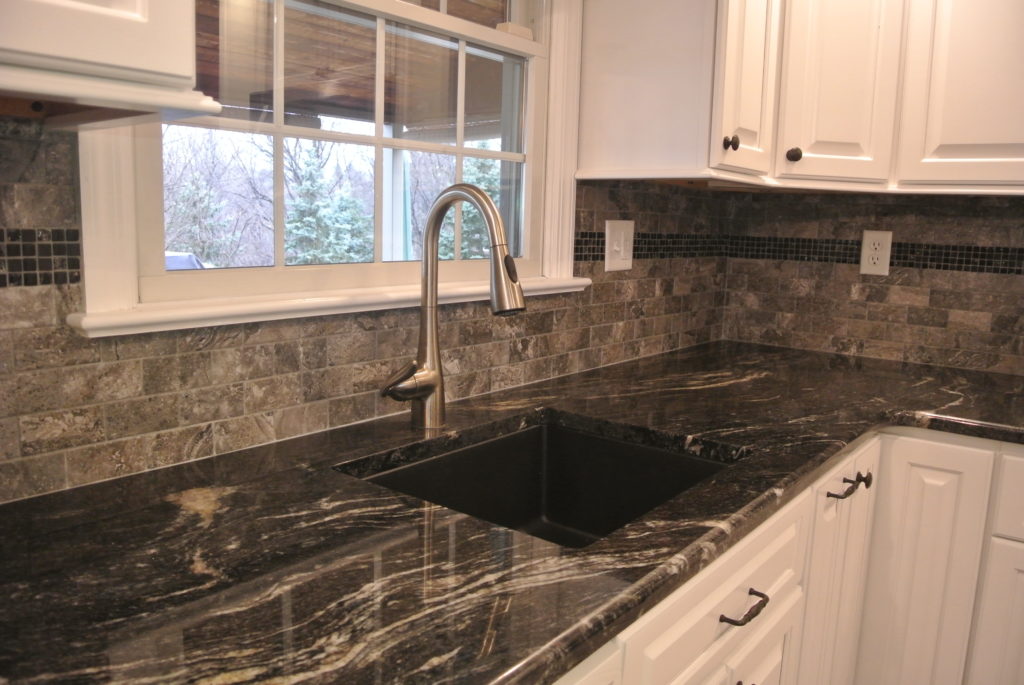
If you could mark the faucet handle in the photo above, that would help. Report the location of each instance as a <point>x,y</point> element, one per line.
<point>403,374</point>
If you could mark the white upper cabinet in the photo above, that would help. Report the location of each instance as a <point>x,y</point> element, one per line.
<point>963,102</point>
<point>899,95</point>
<point>645,88</point>
<point>837,97</point>
<point>744,97</point>
<point>127,54</point>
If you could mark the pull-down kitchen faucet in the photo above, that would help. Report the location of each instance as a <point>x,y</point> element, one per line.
<point>421,380</point>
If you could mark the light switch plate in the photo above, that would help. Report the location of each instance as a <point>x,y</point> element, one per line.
<point>618,245</point>
<point>875,252</point>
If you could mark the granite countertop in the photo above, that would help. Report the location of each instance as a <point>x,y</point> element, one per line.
<point>269,564</point>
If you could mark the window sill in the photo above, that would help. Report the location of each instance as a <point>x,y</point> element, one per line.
<point>178,315</point>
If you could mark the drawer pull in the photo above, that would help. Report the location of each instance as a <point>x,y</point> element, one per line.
<point>848,491</point>
<point>752,612</point>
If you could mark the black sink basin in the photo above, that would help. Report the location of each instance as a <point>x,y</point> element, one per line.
<point>560,484</point>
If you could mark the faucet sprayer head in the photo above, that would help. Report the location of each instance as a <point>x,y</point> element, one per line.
<point>506,293</point>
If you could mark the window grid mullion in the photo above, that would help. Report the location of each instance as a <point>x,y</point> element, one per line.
<point>277,139</point>
<point>378,152</point>
<point>460,138</point>
<point>354,138</point>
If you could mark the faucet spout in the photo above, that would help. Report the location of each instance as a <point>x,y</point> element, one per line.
<point>422,381</point>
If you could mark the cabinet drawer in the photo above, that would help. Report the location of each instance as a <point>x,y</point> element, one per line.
<point>684,634</point>
<point>1009,514</point>
<point>603,667</point>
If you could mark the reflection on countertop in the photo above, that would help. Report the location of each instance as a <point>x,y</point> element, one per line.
<point>267,563</point>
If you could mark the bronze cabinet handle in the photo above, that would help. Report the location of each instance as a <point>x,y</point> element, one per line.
<point>752,612</point>
<point>854,484</point>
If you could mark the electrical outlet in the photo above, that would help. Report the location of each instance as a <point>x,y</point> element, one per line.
<point>875,252</point>
<point>618,245</point>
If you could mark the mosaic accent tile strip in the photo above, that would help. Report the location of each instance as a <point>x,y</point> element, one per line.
<point>40,257</point>
<point>793,249</point>
<point>975,258</point>
<point>971,258</point>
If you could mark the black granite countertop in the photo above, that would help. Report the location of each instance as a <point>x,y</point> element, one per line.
<point>269,564</point>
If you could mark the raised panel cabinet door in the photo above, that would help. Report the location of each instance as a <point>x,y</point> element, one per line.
<point>837,568</point>
<point>837,91</point>
<point>745,79</point>
<point>148,41</point>
<point>963,93</point>
<point>997,657</point>
<point>924,559</point>
<point>854,568</point>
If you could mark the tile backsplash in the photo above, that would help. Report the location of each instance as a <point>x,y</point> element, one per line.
<point>954,295</point>
<point>762,267</point>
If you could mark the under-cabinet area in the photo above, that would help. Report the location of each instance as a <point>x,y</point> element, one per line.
<point>871,575</point>
<point>107,59</point>
<point>919,96</point>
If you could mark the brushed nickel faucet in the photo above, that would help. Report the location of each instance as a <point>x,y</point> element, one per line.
<point>422,380</point>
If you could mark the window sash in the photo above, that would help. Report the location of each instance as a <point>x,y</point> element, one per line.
<point>109,183</point>
<point>158,285</point>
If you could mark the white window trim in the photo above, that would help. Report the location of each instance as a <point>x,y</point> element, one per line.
<point>110,256</point>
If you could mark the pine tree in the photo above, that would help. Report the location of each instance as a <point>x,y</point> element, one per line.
<point>324,224</point>
<point>485,173</point>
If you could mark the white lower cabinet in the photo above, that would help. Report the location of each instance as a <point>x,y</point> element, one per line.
<point>869,577</point>
<point>924,558</point>
<point>996,654</point>
<point>844,502</point>
<point>768,655</point>
<point>603,667</point>
<point>997,657</point>
<point>684,639</point>
<point>688,639</point>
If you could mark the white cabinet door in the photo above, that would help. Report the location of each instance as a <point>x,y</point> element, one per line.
<point>150,41</point>
<point>925,553</point>
<point>645,88</point>
<point>996,654</point>
<point>745,81</point>
<point>963,93</point>
<point>837,568</point>
<point>837,96</point>
<point>852,577</point>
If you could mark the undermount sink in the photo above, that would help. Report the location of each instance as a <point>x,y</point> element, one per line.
<point>564,485</point>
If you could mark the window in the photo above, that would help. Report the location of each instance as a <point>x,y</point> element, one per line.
<point>341,122</point>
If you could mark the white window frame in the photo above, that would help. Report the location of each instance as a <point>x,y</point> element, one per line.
<point>113,176</point>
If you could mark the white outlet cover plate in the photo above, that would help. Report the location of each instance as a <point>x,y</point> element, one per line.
<point>618,245</point>
<point>876,252</point>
